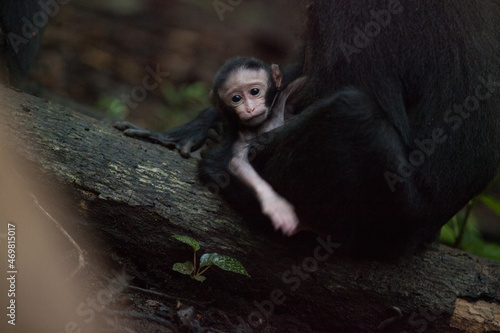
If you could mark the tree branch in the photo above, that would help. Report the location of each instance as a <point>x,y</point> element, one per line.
<point>134,195</point>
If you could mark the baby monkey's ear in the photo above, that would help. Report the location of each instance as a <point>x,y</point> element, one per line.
<point>277,75</point>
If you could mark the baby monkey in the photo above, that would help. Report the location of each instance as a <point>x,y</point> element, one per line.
<point>253,100</point>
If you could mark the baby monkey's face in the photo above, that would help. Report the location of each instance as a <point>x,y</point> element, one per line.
<point>245,92</point>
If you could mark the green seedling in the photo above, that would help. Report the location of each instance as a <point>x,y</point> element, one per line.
<point>206,261</point>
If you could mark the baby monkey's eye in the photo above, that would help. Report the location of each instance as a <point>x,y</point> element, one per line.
<point>254,91</point>
<point>236,98</point>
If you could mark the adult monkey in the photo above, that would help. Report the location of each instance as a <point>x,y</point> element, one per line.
<point>399,125</point>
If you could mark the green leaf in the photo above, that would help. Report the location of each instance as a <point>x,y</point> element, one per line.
<point>207,259</point>
<point>186,268</point>
<point>188,240</point>
<point>113,107</point>
<point>492,251</point>
<point>447,235</point>
<point>492,203</point>
<point>223,262</point>
<point>199,278</point>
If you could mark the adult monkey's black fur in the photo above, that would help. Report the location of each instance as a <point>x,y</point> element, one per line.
<point>399,125</point>
<point>401,120</point>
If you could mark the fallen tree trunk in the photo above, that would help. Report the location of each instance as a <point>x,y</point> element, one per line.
<point>133,196</point>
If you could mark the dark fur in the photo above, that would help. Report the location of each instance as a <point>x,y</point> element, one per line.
<point>359,116</point>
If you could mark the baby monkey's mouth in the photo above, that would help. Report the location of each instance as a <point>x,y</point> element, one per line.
<point>256,119</point>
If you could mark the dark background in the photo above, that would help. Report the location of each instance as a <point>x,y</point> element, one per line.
<point>94,51</point>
